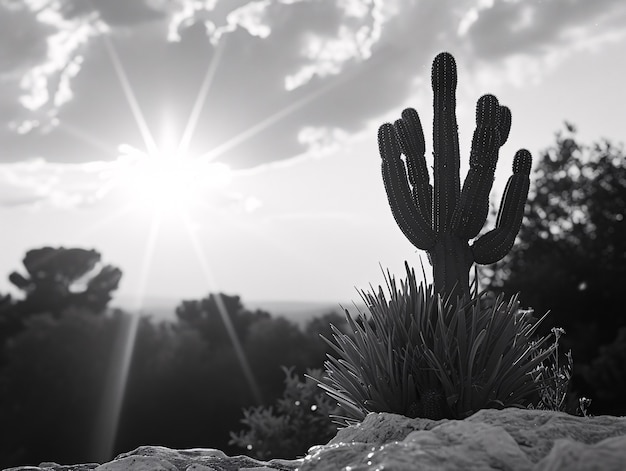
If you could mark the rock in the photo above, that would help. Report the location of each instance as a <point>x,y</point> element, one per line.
<point>510,439</point>
<point>158,458</point>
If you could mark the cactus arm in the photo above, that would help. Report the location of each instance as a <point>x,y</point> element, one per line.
<point>406,213</point>
<point>471,213</point>
<point>445,141</point>
<point>442,219</point>
<point>411,139</point>
<point>495,244</point>
<point>504,124</point>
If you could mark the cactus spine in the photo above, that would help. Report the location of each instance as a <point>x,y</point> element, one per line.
<point>442,219</point>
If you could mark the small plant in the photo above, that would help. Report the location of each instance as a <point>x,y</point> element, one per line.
<point>299,420</point>
<point>553,380</point>
<point>423,356</point>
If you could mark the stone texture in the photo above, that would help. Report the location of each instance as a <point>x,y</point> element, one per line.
<point>158,458</point>
<point>512,439</point>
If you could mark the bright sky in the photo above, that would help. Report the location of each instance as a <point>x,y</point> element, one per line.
<point>231,145</point>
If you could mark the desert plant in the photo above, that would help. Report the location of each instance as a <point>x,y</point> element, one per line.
<point>442,219</point>
<point>421,355</point>
<point>554,378</point>
<point>299,420</point>
<point>442,351</point>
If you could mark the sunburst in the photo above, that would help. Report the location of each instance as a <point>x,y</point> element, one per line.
<point>168,180</point>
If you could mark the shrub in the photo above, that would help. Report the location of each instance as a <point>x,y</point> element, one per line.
<point>299,420</point>
<point>422,355</point>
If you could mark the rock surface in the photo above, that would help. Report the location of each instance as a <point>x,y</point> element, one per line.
<point>511,439</point>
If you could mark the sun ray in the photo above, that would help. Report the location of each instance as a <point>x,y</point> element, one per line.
<point>269,121</point>
<point>86,137</point>
<point>208,275</point>
<point>146,262</point>
<point>120,366</point>
<point>146,135</point>
<point>194,116</point>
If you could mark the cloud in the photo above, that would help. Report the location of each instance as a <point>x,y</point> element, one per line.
<point>116,13</point>
<point>219,19</point>
<point>534,37</point>
<point>37,183</point>
<point>19,27</point>
<point>293,75</point>
<point>51,57</point>
<point>536,27</point>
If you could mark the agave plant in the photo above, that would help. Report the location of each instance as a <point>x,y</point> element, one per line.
<point>421,355</point>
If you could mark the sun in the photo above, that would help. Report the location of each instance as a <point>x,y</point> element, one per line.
<point>167,181</point>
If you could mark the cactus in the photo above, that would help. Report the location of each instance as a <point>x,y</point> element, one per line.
<point>442,219</point>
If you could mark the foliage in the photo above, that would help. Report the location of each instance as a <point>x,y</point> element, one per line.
<point>209,316</point>
<point>173,395</point>
<point>320,327</point>
<point>571,254</point>
<point>554,381</point>
<point>606,374</point>
<point>58,278</point>
<point>297,421</point>
<point>52,381</point>
<point>421,355</point>
<point>443,219</point>
<point>185,388</point>
<point>188,376</point>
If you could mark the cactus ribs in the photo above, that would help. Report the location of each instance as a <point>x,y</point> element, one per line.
<point>444,218</point>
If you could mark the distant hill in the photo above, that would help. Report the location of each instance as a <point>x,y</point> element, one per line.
<point>297,311</point>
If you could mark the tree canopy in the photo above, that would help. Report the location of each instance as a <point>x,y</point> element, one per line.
<point>570,258</point>
<point>58,278</point>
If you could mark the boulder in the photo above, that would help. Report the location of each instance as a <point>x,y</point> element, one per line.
<point>159,458</point>
<point>510,439</point>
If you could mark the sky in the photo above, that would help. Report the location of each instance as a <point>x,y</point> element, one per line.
<point>230,145</point>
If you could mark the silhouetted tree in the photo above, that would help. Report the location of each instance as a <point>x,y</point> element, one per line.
<point>210,315</point>
<point>571,255</point>
<point>51,387</point>
<point>59,277</point>
<point>181,392</point>
<point>320,326</point>
<point>186,385</point>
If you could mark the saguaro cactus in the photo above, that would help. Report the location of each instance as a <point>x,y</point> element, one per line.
<point>443,219</point>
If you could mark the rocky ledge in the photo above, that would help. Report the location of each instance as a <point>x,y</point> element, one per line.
<point>510,439</point>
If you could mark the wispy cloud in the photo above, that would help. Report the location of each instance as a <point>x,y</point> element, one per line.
<point>57,45</point>
<point>296,76</point>
<point>533,37</point>
<point>37,182</point>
